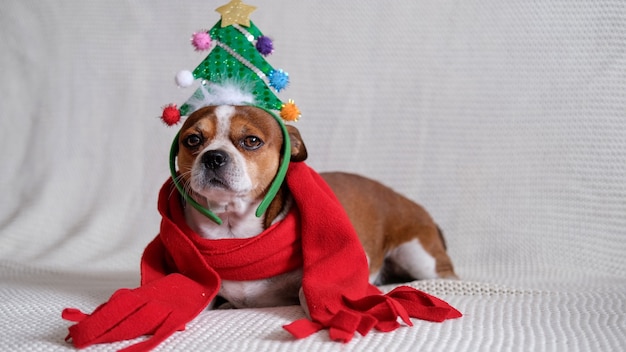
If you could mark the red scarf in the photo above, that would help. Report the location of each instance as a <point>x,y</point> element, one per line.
<point>181,273</point>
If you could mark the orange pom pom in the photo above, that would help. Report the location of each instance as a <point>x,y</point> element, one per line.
<point>290,111</point>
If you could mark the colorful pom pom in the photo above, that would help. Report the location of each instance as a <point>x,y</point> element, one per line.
<point>264,45</point>
<point>278,79</point>
<point>290,111</point>
<point>171,115</point>
<point>184,78</point>
<point>201,40</point>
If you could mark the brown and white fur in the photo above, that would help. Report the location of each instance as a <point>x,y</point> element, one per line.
<point>228,157</point>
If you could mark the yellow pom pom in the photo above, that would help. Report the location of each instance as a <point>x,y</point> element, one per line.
<point>290,111</point>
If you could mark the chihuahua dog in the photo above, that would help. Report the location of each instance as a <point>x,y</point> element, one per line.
<point>229,155</point>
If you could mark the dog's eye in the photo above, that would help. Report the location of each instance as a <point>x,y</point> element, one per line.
<point>192,141</point>
<point>251,143</point>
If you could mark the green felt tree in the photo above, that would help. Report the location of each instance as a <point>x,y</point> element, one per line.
<point>235,70</point>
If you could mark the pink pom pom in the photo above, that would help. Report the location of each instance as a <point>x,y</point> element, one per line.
<point>201,41</point>
<point>171,115</point>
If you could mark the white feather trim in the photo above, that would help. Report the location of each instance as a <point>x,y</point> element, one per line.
<point>227,93</point>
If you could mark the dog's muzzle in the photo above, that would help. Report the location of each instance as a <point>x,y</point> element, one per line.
<point>216,170</point>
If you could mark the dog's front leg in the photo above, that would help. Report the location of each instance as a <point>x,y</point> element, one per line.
<point>303,303</point>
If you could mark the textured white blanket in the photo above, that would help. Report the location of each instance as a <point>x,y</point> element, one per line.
<point>507,120</point>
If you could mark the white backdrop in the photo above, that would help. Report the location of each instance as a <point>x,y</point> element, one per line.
<point>505,119</point>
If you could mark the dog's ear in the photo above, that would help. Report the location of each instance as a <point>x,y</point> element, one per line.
<point>298,150</point>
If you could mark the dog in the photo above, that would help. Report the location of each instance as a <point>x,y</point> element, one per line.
<point>228,157</point>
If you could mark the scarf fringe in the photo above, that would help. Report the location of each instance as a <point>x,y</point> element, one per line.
<point>153,309</point>
<point>377,311</point>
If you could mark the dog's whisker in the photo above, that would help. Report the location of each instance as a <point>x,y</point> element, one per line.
<point>184,181</point>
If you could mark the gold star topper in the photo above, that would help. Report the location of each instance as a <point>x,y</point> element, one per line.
<point>235,12</point>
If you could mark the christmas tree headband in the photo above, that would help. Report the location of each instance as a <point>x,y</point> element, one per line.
<point>234,73</point>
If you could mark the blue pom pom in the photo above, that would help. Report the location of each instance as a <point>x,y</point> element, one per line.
<point>264,45</point>
<point>278,79</point>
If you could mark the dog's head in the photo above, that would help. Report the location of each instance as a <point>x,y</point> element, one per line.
<point>232,153</point>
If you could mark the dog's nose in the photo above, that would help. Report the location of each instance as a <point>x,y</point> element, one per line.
<point>214,159</point>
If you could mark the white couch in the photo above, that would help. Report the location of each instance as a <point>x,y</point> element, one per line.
<point>505,119</point>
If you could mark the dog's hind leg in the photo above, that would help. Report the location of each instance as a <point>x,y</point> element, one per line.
<point>412,260</point>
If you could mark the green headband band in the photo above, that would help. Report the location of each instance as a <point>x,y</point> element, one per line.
<point>271,193</point>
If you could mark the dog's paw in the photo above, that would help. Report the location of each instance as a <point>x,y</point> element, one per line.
<point>226,305</point>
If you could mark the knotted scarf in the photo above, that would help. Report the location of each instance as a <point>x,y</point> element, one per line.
<point>181,273</point>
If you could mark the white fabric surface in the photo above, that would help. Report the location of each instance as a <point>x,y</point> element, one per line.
<point>505,119</point>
